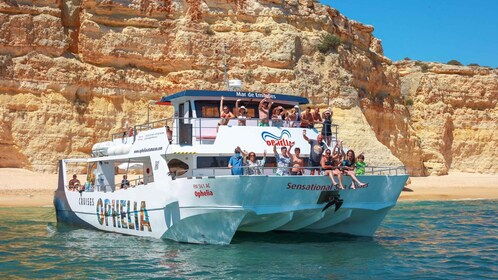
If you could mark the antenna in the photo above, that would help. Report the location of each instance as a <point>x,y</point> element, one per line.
<point>225,78</point>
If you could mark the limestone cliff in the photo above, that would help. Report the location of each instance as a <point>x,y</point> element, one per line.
<point>454,114</point>
<point>73,71</point>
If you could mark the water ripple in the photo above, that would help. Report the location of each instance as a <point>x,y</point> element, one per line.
<point>437,240</point>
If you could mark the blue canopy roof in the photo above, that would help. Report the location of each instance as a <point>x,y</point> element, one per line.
<point>235,94</point>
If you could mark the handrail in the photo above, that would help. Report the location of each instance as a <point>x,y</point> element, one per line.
<point>101,188</point>
<point>374,170</point>
<point>198,126</point>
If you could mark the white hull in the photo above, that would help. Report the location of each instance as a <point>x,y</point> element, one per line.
<point>210,210</point>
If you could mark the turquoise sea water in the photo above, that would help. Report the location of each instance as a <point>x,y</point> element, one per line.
<point>421,240</point>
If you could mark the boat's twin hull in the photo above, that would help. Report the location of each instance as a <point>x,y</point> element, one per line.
<point>211,209</point>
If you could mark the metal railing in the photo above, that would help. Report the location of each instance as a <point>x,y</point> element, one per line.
<point>271,170</point>
<point>140,181</point>
<point>205,128</point>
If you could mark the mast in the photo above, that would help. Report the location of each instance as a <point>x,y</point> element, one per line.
<point>225,75</point>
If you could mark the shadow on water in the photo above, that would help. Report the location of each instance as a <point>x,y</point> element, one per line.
<point>284,237</point>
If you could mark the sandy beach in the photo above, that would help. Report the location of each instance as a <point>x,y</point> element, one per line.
<point>24,188</point>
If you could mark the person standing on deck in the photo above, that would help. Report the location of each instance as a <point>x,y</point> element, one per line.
<point>225,114</point>
<point>254,166</point>
<point>327,126</point>
<point>264,110</point>
<point>307,119</point>
<point>236,162</point>
<point>283,161</point>
<point>241,113</point>
<point>297,162</point>
<point>292,116</point>
<point>317,118</point>
<point>316,151</point>
<point>125,183</point>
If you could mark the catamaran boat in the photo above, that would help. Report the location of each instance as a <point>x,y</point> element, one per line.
<point>185,191</point>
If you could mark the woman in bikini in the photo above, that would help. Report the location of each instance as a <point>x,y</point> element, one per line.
<point>278,116</point>
<point>241,113</point>
<point>225,114</point>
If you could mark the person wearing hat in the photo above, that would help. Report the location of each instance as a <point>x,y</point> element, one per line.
<point>241,113</point>
<point>292,116</point>
<point>264,110</point>
<point>278,116</point>
<point>327,126</point>
<point>236,162</point>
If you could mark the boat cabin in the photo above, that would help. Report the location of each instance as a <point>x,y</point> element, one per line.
<point>192,143</point>
<point>197,112</point>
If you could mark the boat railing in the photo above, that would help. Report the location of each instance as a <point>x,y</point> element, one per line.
<point>271,170</point>
<point>203,130</point>
<point>109,188</point>
<point>167,123</point>
<point>386,170</point>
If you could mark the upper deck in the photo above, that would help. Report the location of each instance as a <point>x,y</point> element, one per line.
<point>192,141</point>
<point>194,95</point>
<point>197,114</point>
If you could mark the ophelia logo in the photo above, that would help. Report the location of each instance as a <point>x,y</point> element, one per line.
<point>271,138</point>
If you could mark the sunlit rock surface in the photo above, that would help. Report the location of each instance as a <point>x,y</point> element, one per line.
<point>73,72</point>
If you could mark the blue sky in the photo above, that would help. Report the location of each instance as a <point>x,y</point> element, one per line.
<point>430,30</point>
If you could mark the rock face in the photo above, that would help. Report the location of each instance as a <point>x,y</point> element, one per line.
<point>72,72</point>
<point>454,113</point>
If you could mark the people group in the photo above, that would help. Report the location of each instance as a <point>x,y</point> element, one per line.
<point>279,116</point>
<point>74,184</point>
<point>334,163</point>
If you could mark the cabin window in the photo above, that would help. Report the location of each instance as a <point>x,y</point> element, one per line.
<point>211,108</point>
<point>215,161</point>
<point>208,109</point>
<point>177,167</point>
<point>207,162</point>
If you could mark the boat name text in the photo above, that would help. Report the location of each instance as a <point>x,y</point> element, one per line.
<point>203,193</point>
<point>121,214</point>
<point>280,140</point>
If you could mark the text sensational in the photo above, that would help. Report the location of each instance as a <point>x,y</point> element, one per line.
<point>309,187</point>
